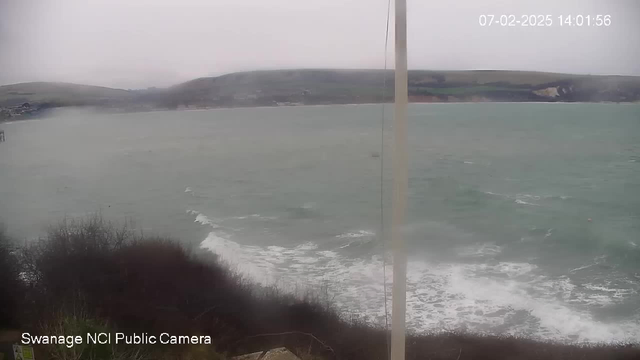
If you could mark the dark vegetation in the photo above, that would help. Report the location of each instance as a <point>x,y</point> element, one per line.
<point>287,87</point>
<point>89,275</point>
<point>10,284</point>
<point>25,111</point>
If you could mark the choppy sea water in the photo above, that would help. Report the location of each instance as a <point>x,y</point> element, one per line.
<point>500,197</point>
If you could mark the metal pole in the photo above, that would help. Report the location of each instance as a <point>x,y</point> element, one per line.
<point>400,184</point>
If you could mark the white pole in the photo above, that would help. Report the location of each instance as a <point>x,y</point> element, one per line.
<point>400,182</point>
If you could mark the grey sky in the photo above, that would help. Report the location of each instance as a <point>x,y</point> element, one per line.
<point>141,43</point>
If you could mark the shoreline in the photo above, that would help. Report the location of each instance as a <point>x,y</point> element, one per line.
<point>107,112</point>
<point>167,273</point>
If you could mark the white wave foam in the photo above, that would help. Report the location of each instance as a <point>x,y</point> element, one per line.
<point>522,202</point>
<point>477,297</point>
<point>258,268</point>
<point>551,318</point>
<point>596,261</point>
<point>328,254</point>
<point>358,238</point>
<point>598,295</point>
<point>307,246</point>
<point>525,198</point>
<point>514,269</point>
<point>482,250</point>
<point>614,293</point>
<point>203,219</point>
<point>518,198</point>
<point>582,268</point>
<point>356,234</point>
<point>255,217</point>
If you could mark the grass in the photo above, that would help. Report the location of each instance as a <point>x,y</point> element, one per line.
<point>91,274</point>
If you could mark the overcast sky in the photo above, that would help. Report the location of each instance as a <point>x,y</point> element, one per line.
<point>142,43</point>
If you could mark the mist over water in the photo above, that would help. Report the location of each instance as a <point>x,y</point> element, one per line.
<point>499,201</point>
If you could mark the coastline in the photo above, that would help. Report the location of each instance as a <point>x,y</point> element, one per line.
<point>123,112</point>
<point>230,315</point>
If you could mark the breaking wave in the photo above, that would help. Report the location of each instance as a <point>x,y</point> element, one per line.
<point>495,297</point>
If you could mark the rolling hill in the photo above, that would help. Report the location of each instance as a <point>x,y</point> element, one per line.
<point>328,86</point>
<point>60,94</point>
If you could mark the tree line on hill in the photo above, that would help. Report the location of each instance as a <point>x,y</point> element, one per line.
<point>314,87</point>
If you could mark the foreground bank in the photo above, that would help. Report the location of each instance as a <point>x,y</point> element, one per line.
<point>91,277</point>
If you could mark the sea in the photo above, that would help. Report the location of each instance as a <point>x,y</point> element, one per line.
<point>522,219</point>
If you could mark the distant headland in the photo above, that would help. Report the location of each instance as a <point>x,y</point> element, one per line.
<point>322,86</point>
